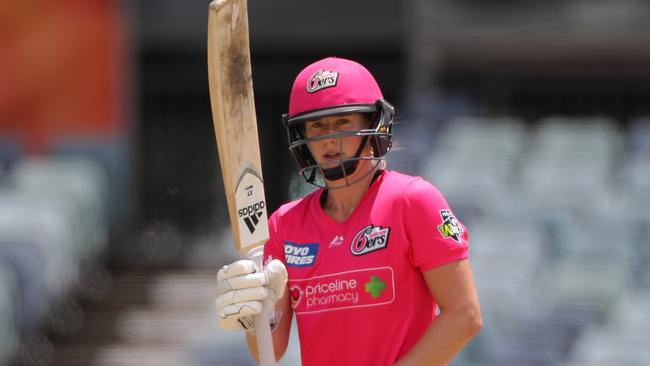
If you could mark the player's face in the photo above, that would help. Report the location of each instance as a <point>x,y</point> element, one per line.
<point>331,151</point>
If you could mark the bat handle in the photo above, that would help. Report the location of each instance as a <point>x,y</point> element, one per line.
<point>262,320</point>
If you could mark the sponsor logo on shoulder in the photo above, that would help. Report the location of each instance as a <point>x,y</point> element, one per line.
<point>370,239</point>
<point>322,79</point>
<point>450,228</point>
<point>300,255</point>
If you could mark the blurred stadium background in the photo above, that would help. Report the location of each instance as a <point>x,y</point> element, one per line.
<point>531,117</point>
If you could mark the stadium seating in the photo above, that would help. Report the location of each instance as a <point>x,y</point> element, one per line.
<point>8,337</point>
<point>569,164</point>
<point>474,164</point>
<point>48,225</point>
<point>82,183</point>
<point>10,151</point>
<point>52,224</point>
<point>27,263</point>
<point>559,221</point>
<point>622,340</point>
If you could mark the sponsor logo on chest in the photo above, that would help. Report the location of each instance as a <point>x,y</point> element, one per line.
<point>300,255</point>
<point>367,287</point>
<point>369,239</point>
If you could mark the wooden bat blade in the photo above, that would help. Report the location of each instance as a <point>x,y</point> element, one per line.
<point>235,124</point>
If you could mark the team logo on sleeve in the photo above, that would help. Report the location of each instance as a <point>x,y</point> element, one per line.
<point>370,239</point>
<point>450,228</point>
<point>300,255</point>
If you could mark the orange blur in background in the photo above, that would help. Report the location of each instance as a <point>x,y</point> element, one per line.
<point>61,70</point>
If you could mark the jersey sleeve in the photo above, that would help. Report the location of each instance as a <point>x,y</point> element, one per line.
<point>436,236</point>
<point>274,248</point>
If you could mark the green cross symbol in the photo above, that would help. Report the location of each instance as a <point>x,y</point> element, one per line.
<point>375,286</point>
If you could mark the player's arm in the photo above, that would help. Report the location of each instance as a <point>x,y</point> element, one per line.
<point>452,285</point>
<point>280,331</point>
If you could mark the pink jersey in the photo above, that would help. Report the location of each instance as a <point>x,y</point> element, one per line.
<point>357,287</point>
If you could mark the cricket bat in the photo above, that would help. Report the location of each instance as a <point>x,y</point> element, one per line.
<point>235,126</point>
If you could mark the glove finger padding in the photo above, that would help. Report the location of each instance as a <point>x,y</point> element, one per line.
<point>241,296</point>
<point>234,311</point>
<point>241,267</point>
<point>240,282</point>
<point>239,316</point>
<point>276,278</point>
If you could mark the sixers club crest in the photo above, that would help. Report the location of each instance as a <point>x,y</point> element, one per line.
<point>321,79</point>
<point>370,239</point>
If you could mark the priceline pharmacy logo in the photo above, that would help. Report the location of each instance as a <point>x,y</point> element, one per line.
<point>343,290</point>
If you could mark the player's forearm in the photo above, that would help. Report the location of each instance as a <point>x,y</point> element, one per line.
<point>444,338</point>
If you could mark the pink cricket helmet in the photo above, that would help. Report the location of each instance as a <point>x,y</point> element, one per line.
<point>334,86</point>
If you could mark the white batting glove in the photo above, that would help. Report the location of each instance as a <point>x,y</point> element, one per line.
<point>242,289</point>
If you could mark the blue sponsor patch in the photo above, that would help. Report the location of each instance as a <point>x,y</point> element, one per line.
<point>300,255</point>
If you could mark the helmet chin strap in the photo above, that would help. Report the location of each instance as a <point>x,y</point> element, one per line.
<point>348,167</point>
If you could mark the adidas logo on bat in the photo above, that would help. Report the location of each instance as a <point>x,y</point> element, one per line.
<point>251,215</point>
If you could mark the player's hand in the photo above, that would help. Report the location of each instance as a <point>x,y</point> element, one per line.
<point>242,289</point>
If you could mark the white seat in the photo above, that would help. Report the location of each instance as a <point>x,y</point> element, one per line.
<point>8,331</point>
<point>594,285</point>
<point>570,164</point>
<point>48,224</point>
<point>81,182</point>
<point>506,257</point>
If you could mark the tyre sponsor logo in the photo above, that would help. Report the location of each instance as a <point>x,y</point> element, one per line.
<point>344,290</point>
<point>300,255</point>
<point>369,239</point>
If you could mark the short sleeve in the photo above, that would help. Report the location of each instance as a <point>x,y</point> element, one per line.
<point>274,247</point>
<point>436,236</point>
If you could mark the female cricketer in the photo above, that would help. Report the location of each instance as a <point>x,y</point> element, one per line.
<point>365,259</point>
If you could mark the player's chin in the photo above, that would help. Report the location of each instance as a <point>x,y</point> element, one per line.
<point>329,164</point>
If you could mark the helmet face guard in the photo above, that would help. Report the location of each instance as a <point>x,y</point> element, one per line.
<point>378,135</point>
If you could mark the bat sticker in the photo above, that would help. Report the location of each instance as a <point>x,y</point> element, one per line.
<point>251,207</point>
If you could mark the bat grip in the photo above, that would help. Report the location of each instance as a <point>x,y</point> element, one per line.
<point>262,320</point>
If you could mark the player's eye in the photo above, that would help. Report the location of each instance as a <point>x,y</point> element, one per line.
<point>315,125</point>
<point>314,128</point>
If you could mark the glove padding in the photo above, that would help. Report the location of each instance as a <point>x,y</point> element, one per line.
<point>242,289</point>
